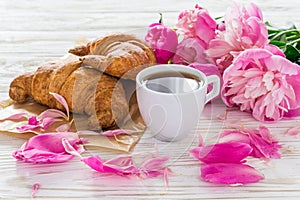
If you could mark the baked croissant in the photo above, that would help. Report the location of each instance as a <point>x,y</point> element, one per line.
<point>119,55</point>
<point>85,89</point>
<point>83,81</point>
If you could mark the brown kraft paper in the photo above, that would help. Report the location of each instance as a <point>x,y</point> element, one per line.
<point>122,142</point>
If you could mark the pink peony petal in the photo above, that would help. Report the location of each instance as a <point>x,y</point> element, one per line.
<point>190,50</point>
<point>124,165</point>
<point>61,100</point>
<point>295,131</point>
<point>292,113</point>
<point>48,121</point>
<point>265,134</point>
<point>222,117</point>
<point>252,10</point>
<point>197,23</point>
<point>218,48</point>
<point>115,132</point>
<point>124,168</point>
<point>166,177</point>
<point>48,148</point>
<point>153,167</point>
<point>263,148</point>
<point>228,173</point>
<point>208,69</point>
<point>15,116</point>
<point>121,160</point>
<point>26,128</point>
<point>275,50</point>
<point>35,188</point>
<point>32,125</point>
<point>228,152</point>
<point>263,144</point>
<point>234,135</point>
<point>200,140</point>
<point>53,113</point>
<point>33,121</point>
<point>96,163</point>
<point>64,127</point>
<point>70,149</point>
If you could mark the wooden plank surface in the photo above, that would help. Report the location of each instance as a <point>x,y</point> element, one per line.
<point>36,31</point>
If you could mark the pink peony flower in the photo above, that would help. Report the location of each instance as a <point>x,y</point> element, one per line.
<point>244,29</point>
<point>264,84</point>
<point>163,40</point>
<point>49,148</point>
<point>190,50</point>
<point>197,23</point>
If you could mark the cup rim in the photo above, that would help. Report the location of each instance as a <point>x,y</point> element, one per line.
<point>167,67</point>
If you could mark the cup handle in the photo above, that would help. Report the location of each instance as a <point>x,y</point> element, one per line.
<point>215,80</point>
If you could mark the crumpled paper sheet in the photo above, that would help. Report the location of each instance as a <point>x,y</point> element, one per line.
<point>119,143</point>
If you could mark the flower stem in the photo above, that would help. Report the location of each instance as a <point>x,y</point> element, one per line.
<point>294,41</point>
<point>293,37</point>
<point>160,19</point>
<point>283,32</point>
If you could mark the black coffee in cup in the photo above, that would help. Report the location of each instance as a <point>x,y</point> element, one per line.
<point>172,82</point>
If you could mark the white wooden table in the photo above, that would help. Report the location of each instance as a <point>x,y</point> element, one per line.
<point>32,32</point>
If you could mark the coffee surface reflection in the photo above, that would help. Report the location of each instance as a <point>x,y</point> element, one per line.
<point>172,82</point>
<point>172,85</point>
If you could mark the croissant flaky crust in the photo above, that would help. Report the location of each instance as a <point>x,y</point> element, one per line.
<point>88,80</point>
<point>119,55</point>
<point>86,91</point>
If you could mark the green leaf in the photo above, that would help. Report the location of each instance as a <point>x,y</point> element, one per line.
<point>287,39</point>
<point>298,45</point>
<point>280,44</point>
<point>292,53</point>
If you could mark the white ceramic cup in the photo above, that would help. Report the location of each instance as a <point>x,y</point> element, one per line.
<point>171,106</point>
